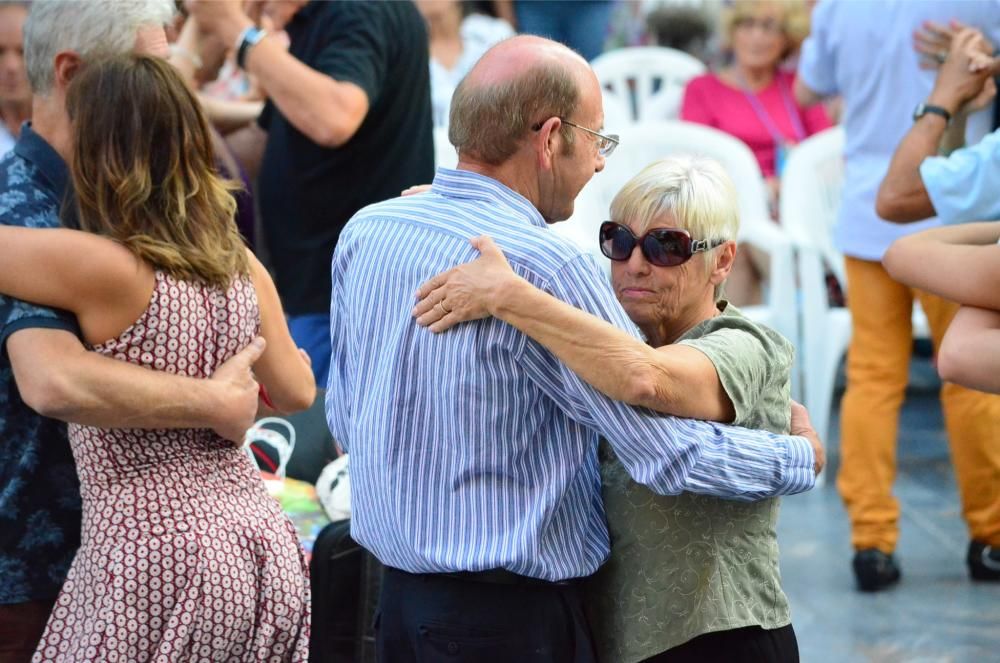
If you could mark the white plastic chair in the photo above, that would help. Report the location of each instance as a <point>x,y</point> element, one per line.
<point>445,155</point>
<point>652,76</point>
<point>617,112</point>
<point>642,144</point>
<point>810,198</point>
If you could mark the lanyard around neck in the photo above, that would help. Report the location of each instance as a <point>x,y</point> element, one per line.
<point>765,117</point>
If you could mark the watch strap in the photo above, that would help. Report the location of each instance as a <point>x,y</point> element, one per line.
<point>924,109</point>
<point>249,38</point>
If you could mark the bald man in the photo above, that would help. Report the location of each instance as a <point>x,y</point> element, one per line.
<point>473,454</point>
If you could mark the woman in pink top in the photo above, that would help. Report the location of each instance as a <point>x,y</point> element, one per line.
<point>752,99</point>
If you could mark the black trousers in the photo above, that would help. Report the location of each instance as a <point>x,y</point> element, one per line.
<point>751,644</point>
<point>425,618</point>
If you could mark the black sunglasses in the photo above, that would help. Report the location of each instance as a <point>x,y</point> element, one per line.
<point>663,247</point>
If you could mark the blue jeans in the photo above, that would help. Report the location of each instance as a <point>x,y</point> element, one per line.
<point>580,24</point>
<point>311,332</point>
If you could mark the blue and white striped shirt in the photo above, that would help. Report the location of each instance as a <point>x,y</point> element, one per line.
<point>476,449</point>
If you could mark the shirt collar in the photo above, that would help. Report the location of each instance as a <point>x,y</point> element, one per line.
<point>466,185</point>
<point>33,148</point>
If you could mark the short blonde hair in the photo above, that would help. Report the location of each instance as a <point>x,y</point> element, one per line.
<point>697,191</point>
<point>794,20</point>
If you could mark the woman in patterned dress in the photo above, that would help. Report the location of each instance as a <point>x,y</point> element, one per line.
<point>184,555</point>
<point>690,578</point>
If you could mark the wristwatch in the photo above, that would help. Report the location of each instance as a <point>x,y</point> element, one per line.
<point>924,109</point>
<point>248,38</point>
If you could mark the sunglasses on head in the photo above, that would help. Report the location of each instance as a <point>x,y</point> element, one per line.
<point>663,247</point>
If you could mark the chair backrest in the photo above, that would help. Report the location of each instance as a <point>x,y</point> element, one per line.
<point>652,77</point>
<point>445,154</point>
<point>811,185</point>
<point>644,143</point>
<point>617,112</point>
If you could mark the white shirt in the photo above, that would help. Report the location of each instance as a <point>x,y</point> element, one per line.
<point>964,186</point>
<point>7,140</point>
<point>863,50</point>
<point>478,34</point>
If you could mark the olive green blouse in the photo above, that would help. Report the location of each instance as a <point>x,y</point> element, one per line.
<point>685,565</point>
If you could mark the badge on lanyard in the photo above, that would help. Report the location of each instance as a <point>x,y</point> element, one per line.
<point>782,145</point>
<point>781,149</point>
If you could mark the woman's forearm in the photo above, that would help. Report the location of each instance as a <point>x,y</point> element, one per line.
<point>968,353</point>
<point>977,234</point>
<point>960,262</point>
<point>674,379</point>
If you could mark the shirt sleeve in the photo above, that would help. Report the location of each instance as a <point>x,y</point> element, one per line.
<point>818,59</point>
<point>338,396</point>
<point>667,454</point>
<point>963,186</point>
<point>747,361</point>
<point>357,51</point>
<point>16,315</point>
<point>264,119</point>
<point>26,206</point>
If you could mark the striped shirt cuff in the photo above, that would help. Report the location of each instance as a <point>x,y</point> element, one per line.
<point>800,464</point>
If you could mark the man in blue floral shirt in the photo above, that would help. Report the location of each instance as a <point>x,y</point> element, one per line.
<point>39,493</point>
<point>44,367</point>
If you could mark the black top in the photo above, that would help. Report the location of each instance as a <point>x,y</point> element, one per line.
<point>307,192</point>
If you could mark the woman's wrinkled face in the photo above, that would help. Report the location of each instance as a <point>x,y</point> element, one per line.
<point>759,39</point>
<point>653,296</point>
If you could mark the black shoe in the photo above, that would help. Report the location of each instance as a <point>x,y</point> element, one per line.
<point>874,570</point>
<point>983,561</point>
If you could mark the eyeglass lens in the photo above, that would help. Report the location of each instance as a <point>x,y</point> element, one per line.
<point>663,247</point>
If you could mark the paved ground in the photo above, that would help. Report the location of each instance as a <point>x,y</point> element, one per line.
<point>935,614</point>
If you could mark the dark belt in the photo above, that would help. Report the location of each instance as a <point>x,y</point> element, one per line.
<point>504,577</point>
<point>490,576</point>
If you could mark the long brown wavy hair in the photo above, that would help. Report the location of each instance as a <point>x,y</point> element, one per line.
<point>144,170</point>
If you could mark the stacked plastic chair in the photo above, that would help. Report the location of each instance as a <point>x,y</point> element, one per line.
<point>810,198</point>
<point>649,80</point>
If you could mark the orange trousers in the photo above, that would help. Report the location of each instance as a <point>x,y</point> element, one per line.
<point>878,362</point>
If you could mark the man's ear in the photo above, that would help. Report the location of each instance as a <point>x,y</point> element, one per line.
<point>548,142</point>
<point>725,255</point>
<point>67,65</point>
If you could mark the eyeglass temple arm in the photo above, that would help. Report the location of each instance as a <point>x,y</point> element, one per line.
<point>699,245</point>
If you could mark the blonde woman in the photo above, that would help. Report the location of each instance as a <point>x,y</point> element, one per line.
<point>690,577</point>
<point>184,556</point>
<point>752,99</point>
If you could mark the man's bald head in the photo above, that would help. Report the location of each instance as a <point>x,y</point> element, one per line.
<point>520,81</point>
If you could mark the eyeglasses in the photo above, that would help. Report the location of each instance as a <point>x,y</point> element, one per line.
<point>606,144</point>
<point>767,25</point>
<point>663,247</point>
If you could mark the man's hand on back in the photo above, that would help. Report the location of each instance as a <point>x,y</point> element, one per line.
<point>238,392</point>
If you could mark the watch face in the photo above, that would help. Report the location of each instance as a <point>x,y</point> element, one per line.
<point>924,109</point>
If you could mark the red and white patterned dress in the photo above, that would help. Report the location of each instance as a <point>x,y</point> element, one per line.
<point>184,555</point>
